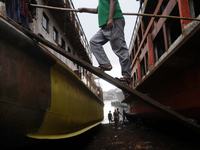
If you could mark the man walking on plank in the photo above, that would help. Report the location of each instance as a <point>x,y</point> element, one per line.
<point>111,23</point>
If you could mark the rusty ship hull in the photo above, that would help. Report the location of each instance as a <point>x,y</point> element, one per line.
<point>166,61</point>
<point>40,97</point>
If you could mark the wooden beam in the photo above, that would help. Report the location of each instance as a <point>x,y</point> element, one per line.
<point>5,22</point>
<point>165,36</point>
<point>168,9</point>
<point>161,16</point>
<point>54,8</point>
<point>147,31</point>
<point>132,14</point>
<point>139,69</point>
<point>150,51</point>
<point>184,11</point>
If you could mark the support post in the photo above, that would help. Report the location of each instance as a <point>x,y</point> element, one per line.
<point>150,51</point>
<point>184,11</point>
<point>165,36</point>
<point>139,69</point>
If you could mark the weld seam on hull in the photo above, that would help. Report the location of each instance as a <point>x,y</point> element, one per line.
<point>19,105</point>
<point>62,136</point>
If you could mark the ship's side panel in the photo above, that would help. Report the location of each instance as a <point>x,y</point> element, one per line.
<point>73,106</point>
<point>25,91</point>
<point>38,94</point>
<point>165,58</point>
<point>180,93</point>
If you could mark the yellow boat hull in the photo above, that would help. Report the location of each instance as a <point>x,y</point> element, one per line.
<point>39,96</point>
<point>74,109</point>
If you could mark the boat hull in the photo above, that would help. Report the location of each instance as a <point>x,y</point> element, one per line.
<point>174,81</point>
<point>73,110</point>
<point>181,93</point>
<point>39,95</point>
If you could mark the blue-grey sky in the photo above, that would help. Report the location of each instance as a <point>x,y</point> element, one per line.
<point>89,23</point>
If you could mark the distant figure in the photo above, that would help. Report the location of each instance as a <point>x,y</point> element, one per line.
<point>110,117</point>
<point>124,116</point>
<point>116,118</point>
<point>119,114</point>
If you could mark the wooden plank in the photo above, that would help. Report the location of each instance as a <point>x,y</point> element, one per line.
<point>107,77</point>
<point>132,14</point>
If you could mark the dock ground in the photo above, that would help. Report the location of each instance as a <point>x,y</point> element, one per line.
<point>132,136</point>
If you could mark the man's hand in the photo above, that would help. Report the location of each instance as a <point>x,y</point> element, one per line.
<point>111,14</point>
<point>110,23</point>
<point>80,10</point>
<point>88,10</point>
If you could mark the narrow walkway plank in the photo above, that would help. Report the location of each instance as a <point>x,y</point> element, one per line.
<point>107,77</point>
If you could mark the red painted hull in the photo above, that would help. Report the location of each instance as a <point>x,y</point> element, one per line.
<point>181,93</point>
<point>166,61</point>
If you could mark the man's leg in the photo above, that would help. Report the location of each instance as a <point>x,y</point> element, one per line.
<point>96,43</point>
<point>119,46</point>
<point>115,124</point>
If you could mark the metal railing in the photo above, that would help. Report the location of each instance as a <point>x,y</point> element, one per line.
<point>74,18</point>
<point>134,29</point>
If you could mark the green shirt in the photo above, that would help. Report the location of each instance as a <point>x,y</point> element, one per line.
<point>104,9</point>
